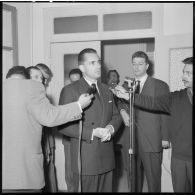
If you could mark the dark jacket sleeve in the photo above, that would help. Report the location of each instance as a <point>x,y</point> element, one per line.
<point>162,89</point>
<point>116,117</point>
<point>160,103</point>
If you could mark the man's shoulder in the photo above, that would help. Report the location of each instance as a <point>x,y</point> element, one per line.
<point>71,85</point>
<point>159,82</point>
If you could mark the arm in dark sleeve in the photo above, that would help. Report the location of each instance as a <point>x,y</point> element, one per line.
<point>164,118</point>
<point>116,117</point>
<point>161,103</point>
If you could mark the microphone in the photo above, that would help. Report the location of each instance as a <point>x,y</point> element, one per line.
<point>92,89</point>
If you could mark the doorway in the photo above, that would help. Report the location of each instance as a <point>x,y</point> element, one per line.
<point>115,54</point>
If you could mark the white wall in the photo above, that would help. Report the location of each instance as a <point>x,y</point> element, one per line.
<point>178,18</point>
<point>24,33</point>
<point>177,33</point>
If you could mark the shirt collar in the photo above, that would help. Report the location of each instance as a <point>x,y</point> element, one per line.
<point>89,82</point>
<point>142,79</point>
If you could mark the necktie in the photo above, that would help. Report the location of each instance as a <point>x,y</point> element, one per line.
<point>189,95</point>
<point>137,90</point>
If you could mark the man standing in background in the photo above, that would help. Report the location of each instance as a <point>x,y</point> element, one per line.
<point>151,133</point>
<point>179,104</point>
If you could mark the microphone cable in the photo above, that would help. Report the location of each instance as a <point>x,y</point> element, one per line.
<point>79,155</point>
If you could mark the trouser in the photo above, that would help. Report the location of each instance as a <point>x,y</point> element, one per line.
<point>68,171</point>
<point>94,183</point>
<point>181,172</point>
<point>150,164</point>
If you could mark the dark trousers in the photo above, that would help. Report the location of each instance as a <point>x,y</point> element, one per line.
<point>68,171</point>
<point>181,172</point>
<point>95,183</point>
<point>24,191</point>
<point>150,163</point>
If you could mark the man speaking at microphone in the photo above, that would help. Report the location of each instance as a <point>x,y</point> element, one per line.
<point>100,122</point>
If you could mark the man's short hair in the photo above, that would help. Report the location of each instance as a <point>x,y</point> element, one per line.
<point>188,60</point>
<point>44,69</point>
<point>75,71</point>
<point>18,70</point>
<point>141,54</point>
<point>82,54</point>
<point>31,68</point>
<point>115,71</point>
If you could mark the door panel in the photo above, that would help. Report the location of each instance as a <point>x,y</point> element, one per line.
<point>63,59</point>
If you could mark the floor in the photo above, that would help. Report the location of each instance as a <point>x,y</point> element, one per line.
<point>120,176</point>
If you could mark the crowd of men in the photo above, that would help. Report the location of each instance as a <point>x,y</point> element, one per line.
<point>162,118</point>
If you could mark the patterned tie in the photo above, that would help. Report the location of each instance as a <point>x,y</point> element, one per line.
<point>96,94</point>
<point>137,90</point>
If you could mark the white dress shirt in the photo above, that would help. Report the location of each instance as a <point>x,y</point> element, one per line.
<point>142,81</point>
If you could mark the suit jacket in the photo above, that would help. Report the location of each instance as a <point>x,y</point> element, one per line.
<point>25,109</point>
<point>97,157</point>
<point>151,127</point>
<point>180,124</point>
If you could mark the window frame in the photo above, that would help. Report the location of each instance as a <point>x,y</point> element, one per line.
<point>14,33</point>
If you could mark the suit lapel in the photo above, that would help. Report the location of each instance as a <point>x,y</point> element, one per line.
<point>103,99</point>
<point>148,88</point>
<point>83,86</point>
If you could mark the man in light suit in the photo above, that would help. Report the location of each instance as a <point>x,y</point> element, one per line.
<point>25,109</point>
<point>151,130</point>
<point>100,121</point>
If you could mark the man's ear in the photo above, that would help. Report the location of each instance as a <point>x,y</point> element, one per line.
<point>81,67</point>
<point>147,66</point>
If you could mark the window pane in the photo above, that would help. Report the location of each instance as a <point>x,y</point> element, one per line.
<point>76,24</point>
<point>127,21</point>
<point>70,62</point>
<point>7,29</point>
<point>7,62</point>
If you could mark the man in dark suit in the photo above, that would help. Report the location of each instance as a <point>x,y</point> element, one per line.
<point>179,105</point>
<point>150,128</point>
<point>100,121</point>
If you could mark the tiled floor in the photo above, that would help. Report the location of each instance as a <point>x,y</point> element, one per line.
<point>120,176</point>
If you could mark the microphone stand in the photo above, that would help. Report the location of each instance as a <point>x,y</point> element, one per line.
<point>132,163</point>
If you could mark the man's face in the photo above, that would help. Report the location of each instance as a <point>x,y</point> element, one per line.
<point>113,78</point>
<point>74,77</point>
<point>187,76</point>
<point>36,75</point>
<point>139,67</point>
<point>91,67</point>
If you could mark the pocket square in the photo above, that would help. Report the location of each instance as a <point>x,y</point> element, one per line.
<point>109,101</point>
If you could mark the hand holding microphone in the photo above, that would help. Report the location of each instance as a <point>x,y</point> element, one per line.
<point>85,99</point>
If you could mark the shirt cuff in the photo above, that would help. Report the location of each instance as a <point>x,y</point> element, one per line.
<point>122,110</point>
<point>79,106</point>
<point>111,129</point>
